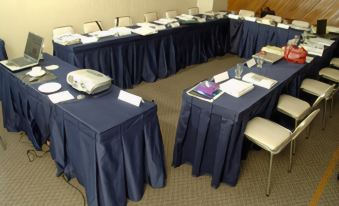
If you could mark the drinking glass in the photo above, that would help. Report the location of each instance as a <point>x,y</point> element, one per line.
<point>238,71</point>
<point>260,62</point>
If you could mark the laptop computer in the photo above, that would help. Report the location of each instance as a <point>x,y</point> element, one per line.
<point>31,55</point>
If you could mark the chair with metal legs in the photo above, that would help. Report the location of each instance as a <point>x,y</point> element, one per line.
<point>318,88</point>
<point>273,137</point>
<point>332,75</point>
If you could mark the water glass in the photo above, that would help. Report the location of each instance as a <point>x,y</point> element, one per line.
<point>260,62</point>
<point>238,71</point>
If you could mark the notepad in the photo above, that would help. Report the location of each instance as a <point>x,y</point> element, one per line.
<point>144,31</point>
<point>60,97</point>
<point>236,88</point>
<point>259,80</point>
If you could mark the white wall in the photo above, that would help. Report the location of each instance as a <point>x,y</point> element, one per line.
<point>212,5</point>
<point>18,17</point>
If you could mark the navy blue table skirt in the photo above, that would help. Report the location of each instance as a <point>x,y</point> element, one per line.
<point>111,147</point>
<point>210,135</point>
<point>132,59</point>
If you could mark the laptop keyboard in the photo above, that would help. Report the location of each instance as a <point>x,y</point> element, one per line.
<point>21,62</point>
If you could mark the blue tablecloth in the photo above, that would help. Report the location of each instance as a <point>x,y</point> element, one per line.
<point>134,58</point>
<point>210,135</point>
<point>3,54</point>
<point>110,146</point>
<point>254,36</point>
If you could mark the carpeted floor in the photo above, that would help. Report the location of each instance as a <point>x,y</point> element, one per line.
<point>313,180</point>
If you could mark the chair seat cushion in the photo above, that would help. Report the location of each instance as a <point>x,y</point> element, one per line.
<point>330,73</point>
<point>335,62</point>
<point>267,134</point>
<point>314,87</point>
<point>293,107</point>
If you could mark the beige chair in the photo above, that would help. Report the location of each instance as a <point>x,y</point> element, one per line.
<point>332,75</point>
<point>273,137</point>
<point>318,88</point>
<point>92,26</point>
<point>171,14</point>
<point>121,21</point>
<point>300,24</point>
<point>335,62</point>
<point>248,13</point>
<point>277,19</point>
<point>62,30</point>
<point>150,17</point>
<point>193,11</point>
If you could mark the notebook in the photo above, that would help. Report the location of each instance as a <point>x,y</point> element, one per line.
<point>268,57</point>
<point>31,54</point>
<point>205,90</point>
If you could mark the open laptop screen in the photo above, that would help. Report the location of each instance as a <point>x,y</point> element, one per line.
<point>33,46</point>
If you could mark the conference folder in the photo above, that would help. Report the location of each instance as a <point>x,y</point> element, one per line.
<point>205,90</point>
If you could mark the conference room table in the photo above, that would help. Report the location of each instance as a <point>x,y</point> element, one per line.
<point>134,58</point>
<point>210,136</point>
<point>112,147</point>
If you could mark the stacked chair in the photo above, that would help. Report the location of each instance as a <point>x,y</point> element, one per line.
<point>92,26</point>
<point>122,21</point>
<point>171,14</point>
<point>150,16</point>
<point>62,30</point>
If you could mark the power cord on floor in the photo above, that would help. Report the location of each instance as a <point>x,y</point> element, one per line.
<point>32,154</point>
<point>68,182</point>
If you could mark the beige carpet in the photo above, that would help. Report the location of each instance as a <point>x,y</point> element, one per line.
<point>34,183</point>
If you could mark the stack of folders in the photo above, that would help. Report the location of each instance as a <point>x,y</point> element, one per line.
<point>259,80</point>
<point>205,90</point>
<point>236,88</point>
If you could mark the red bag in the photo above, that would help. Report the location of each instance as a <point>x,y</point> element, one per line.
<point>295,54</point>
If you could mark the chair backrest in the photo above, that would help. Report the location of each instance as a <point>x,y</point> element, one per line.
<point>123,21</point>
<point>171,14</point>
<point>92,26</point>
<point>62,30</point>
<point>193,11</point>
<point>244,13</point>
<point>329,91</point>
<point>151,16</point>
<point>307,121</point>
<point>277,19</point>
<point>318,100</point>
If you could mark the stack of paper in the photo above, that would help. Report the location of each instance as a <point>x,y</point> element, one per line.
<point>101,34</point>
<point>67,39</point>
<point>259,80</point>
<point>60,97</point>
<point>249,18</point>
<point>185,17</point>
<point>151,25</point>
<point>323,41</point>
<point>313,49</point>
<point>87,40</point>
<point>144,30</point>
<point>233,16</point>
<point>165,21</point>
<point>236,87</point>
<point>283,26</point>
<point>121,31</point>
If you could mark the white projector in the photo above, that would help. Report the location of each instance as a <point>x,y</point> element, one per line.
<point>88,81</point>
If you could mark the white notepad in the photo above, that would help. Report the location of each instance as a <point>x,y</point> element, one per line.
<point>60,97</point>
<point>259,80</point>
<point>235,87</point>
